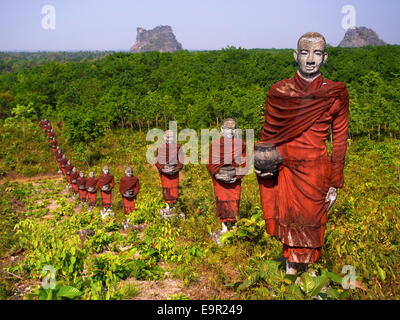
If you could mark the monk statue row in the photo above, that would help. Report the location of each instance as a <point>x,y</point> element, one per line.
<point>297,179</point>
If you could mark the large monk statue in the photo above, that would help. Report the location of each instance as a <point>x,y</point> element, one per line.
<point>74,176</point>
<point>129,188</point>
<point>91,187</point>
<point>227,166</point>
<point>81,182</point>
<point>297,178</point>
<point>169,162</point>
<point>106,184</point>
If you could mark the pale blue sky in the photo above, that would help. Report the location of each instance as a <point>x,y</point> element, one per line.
<point>197,24</point>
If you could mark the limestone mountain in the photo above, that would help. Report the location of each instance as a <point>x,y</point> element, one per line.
<point>360,37</point>
<point>160,39</point>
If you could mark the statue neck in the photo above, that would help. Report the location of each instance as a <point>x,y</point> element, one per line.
<point>309,79</point>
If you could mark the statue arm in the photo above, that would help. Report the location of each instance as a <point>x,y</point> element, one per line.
<point>340,125</point>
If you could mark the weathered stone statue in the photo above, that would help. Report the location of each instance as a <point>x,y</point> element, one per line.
<point>63,163</point>
<point>91,187</point>
<point>169,162</point>
<point>299,112</point>
<point>51,134</point>
<point>54,145</point>
<point>106,184</point>
<point>81,182</point>
<point>68,171</point>
<point>59,157</point>
<point>43,125</point>
<point>227,166</point>
<point>74,176</point>
<point>129,188</point>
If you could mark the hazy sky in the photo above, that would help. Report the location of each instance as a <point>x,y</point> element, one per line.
<point>197,24</point>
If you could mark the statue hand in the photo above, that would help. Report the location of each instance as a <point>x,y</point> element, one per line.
<point>263,174</point>
<point>232,180</point>
<point>331,196</point>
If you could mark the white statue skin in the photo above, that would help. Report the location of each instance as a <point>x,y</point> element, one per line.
<point>129,172</point>
<point>91,174</point>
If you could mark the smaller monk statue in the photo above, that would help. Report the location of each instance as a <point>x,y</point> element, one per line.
<point>74,176</point>
<point>68,171</point>
<point>129,188</point>
<point>227,166</point>
<point>51,134</point>
<point>43,124</point>
<point>106,184</point>
<point>54,145</point>
<point>91,188</point>
<point>63,163</point>
<point>59,157</point>
<point>81,182</point>
<point>169,162</point>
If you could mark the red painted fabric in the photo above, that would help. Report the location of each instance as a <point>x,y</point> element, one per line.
<point>106,196</point>
<point>298,116</point>
<point>92,197</point>
<point>233,152</point>
<point>169,153</point>
<point>106,199</point>
<point>129,205</point>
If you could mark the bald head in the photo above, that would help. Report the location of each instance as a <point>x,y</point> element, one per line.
<point>310,55</point>
<point>311,37</point>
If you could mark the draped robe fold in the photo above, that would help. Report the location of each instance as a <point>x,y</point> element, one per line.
<point>297,119</point>
<point>92,196</point>
<point>225,152</point>
<point>125,184</point>
<point>106,196</point>
<point>81,183</point>
<point>169,153</point>
<point>74,176</point>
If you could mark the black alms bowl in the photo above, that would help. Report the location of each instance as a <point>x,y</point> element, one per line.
<point>266,157</point>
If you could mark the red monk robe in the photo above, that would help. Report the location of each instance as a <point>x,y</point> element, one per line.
<point>92,196</point>
<point>297,119</point>
<point>54,145</point>
<point>63,163</point>
<point>68,171</point>
<point>81,182</point>
<point>51,134</point>
<point>43,124</point>
<point>106,196</point>
<point>226,151</point>
<point>129,183</point>
<point>169,153</point>
<point>74,176</point>
<point>58,159</point>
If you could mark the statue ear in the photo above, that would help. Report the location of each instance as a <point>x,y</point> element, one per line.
<point>325,57</point>
<point>295,54</point>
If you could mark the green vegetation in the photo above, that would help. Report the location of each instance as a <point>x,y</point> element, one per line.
<point>105,106</point>
<point>363,231</point>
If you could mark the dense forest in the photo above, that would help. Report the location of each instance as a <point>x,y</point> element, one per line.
<point>89,94</point>
<point>101,106</point>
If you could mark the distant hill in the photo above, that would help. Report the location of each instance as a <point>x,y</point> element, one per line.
<point>360,37</point>
<point>160,39</point>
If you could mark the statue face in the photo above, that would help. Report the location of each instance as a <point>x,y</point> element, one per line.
<point>106,171</point>
<point>91,174</point>
<point>73,169</point>
<point>228,133</point>
<point>128,173</point>
<point>81,174</point>
<point>68,162</point>
<point>310,56</point>
<point>169,137</point>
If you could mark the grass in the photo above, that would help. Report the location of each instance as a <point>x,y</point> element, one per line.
<point>363,229</point>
